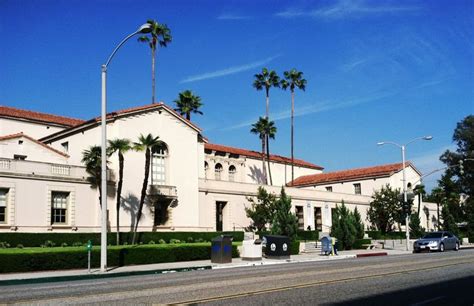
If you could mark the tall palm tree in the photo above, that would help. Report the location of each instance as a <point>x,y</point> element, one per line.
<point>420,191</point>
<point>266,79</point>
<point>260,128</point>
<point>188,103</point>
<point>270,131</point>
<point>92,158</point>
<point>293,79</point>
<point>160,35</point>
<point>145,143</point>
<point>121,146</point>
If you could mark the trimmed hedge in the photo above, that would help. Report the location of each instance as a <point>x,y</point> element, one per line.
<point>295,247</point>
<point>37,239</point>
<point>41,259</point>
<point>300,235</point>
<point>389,235</point>
<point>358,244</point>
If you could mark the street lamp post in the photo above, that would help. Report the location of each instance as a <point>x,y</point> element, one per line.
<point>403,147</point>
<point>145,28</point>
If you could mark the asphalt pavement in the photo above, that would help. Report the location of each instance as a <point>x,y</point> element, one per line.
<point>411,279</point>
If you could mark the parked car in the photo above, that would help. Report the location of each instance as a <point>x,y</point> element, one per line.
<point>437,241</point>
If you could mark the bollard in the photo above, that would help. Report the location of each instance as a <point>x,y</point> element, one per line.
<point>89,249</point>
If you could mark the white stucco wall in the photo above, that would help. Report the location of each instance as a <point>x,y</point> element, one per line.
<point>32,150</point>
<point>33,129</point>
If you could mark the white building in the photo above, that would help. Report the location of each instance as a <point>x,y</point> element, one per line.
<point>194,185</point>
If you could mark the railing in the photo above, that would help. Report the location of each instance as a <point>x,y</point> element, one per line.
<point>32,168</point>
<point>163,190</point>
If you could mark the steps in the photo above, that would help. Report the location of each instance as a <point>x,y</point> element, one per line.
<point>311,247</point>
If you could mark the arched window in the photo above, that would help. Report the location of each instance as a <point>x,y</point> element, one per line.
<point>232,172</point>
<point>206,169</point>
<point>158,165</point>
<point>218,171</point>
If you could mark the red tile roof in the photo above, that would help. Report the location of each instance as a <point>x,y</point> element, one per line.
<point>122,112</point>
<point>18,135</point>
<point>7,111</point>
<point>347,175</point>
<point>255,154</point>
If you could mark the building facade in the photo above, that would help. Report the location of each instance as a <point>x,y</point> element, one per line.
<point>194,185</point>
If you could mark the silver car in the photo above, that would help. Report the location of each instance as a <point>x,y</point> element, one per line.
<point>436,241</point>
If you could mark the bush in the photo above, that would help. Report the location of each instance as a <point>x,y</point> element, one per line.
<point>295,247</point>
<point>390,235</point>
<point>20,246</point>
<point>64,244</point>
<point>307,235</point>
<point>359,243</point>
<point>37,239</point>
<point>48,244</point>
<point>343,227</point>
<point>40,259</point>
<point>4,245</point>
<point>151,242</point>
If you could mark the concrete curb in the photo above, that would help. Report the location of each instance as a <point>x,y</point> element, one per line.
<point>372,254</point>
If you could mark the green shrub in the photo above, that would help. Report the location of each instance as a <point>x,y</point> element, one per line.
<point>307,235</point>
<point>151,242</point>
<point>359,243</point>
<point>48,244</point>
<point>37,239</point>
<point>20,246</point>
<point>14,260</point>
<point>161,241</point>
<point>390,235</point>
<point>4,245</point>
<point>190,240</point>
<point>64,244</point>
<point>175,241</point>
<point>295,247</point>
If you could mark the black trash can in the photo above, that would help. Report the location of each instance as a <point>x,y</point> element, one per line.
<point>221,249</point>
<point>276,247</point>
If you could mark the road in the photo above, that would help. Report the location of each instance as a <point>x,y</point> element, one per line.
<point>416,279</point>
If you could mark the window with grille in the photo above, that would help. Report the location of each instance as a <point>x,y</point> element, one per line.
<point>300,216</point>
<point>158,166</point>
<point>59,207</point>
<point>3,205</point>
<point>218,172</point>
<point>329,188</point>
<point>357,189</point>
<point>232,172</point>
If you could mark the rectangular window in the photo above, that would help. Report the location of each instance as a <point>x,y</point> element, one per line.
<point>19,157</point>
<point>158,170</point>
<point>300,216</point>
<point>329,188</point>
<point>357,189</point>
<point>3,205</point>
<point>59,207</point>
<point>318,220</point>
<point>65,146</point>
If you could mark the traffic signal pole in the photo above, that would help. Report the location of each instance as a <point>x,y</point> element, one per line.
<point>405,200</point>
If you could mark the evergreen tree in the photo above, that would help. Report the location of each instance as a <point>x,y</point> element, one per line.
<point>262,209</point>
<point>359,225</point>
<point>284,222</point>
<point>449,223</point>
<point>343,227</point>
<point>416,231</point>
<point>385,209</point>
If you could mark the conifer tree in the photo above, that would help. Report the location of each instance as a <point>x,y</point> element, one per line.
<point>284,221</point>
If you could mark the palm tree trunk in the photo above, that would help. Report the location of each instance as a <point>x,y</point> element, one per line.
<point>268,102</point>
<point>152,75</point>
<point>263,162</point>
<point>119,193</point>
<point>143,194</point>
<point>188,116</point>
<point>292,135</point>
<point>268,159</point>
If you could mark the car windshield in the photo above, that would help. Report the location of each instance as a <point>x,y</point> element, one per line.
<point>432,235</point>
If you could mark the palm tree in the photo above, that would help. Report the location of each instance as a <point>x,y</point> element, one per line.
<point>160,35</point>
<point>92,158</point>
<point>270,131</point>
<point>188,103</point>
<point>266,79</point>
<point>120,146</point>
<point>293,79</point>
<point>145,143</point>
<point>260,128</point>
<point>420,191</point>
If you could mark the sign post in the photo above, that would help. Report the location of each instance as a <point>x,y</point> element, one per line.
<point>89,249</point>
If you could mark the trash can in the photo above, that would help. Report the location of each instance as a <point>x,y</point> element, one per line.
<point>251,250</point>
<point>221,249</point>
<point>326,245</point>
<point>276,247</point>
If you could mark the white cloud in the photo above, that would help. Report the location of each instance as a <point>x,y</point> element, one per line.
<point>347,9</point>
<point>232,17</point>
<point>318,108</point>
<point>229,70</point>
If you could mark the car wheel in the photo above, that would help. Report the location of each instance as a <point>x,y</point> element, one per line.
<point>441,247</point>
<point>456,248</point>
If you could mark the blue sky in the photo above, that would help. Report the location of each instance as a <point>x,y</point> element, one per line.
<point>376,70</point>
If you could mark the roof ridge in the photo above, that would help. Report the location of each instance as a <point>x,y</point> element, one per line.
<point>21,134</point>
<point>39,116</point>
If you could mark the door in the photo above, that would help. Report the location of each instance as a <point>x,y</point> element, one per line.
<point>220,215</point>
<point>318,220</point>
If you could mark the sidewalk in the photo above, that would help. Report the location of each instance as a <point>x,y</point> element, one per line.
<point>68,275</point>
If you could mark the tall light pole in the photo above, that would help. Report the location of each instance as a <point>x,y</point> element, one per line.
<point>145,28</point>
<point>403,147</point>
